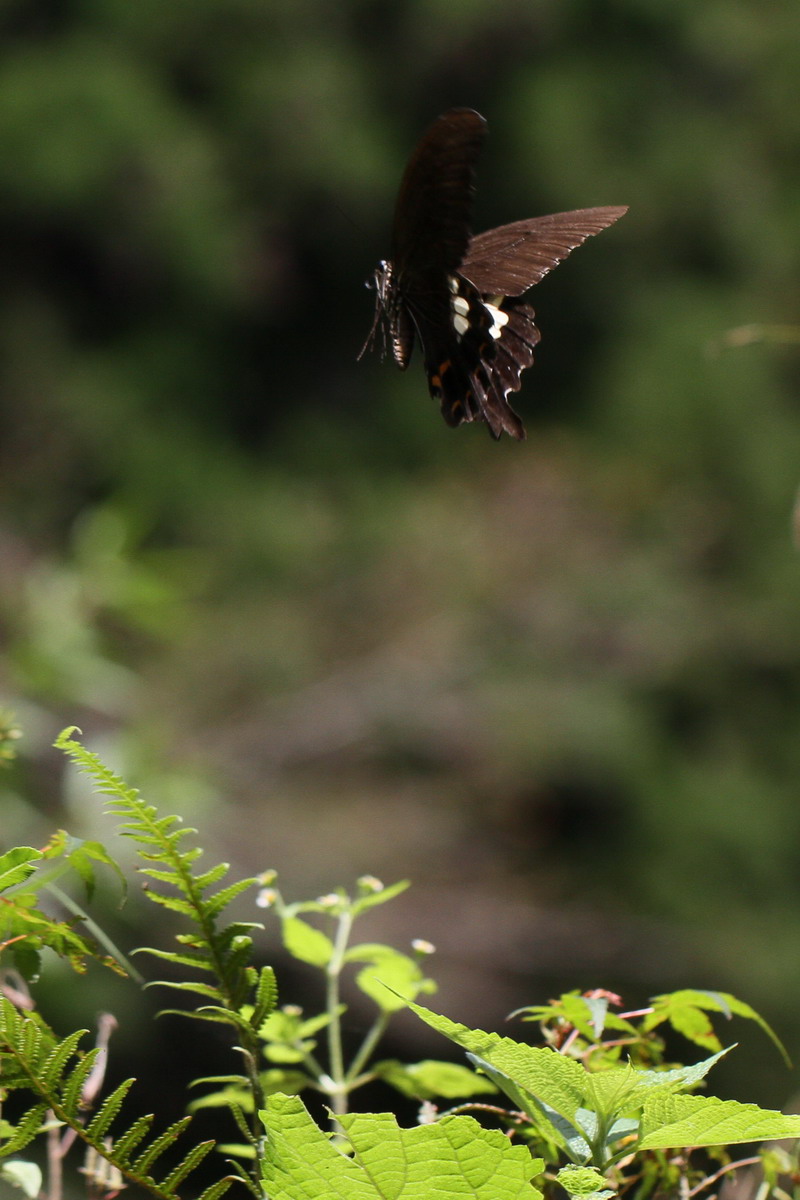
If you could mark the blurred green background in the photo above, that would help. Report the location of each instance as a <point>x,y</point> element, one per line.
<point>556,684</point>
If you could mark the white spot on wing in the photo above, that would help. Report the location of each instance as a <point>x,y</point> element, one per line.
<point>461,324</point>
<point>499,318</point>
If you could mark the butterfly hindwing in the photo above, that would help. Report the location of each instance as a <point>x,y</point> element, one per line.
<point>476,364</point>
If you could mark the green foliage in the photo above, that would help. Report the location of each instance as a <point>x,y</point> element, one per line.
<point>596,1109</point>
<point>598,1117</point>
<point>179,180</point>
<point>582,1024</point>
<point>26,927</point>
<point>451,1158</point>
<point>289,1036</point>
<point>55,1073</point>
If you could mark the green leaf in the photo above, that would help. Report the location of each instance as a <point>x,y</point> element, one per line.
<point>584,1183</point>
<point>82,859</point>
<point>389,969</point>
<point>17,865</point>
<point>669,1121</point>
<point>429,1079</point>
<point>685,1010</point>
<point>371,899</point>
<point>448,1160</point>
<point>306,943</point>
<point>623,1088</point>
<point>525,1073</point>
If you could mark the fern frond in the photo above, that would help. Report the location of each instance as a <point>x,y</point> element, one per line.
<point>200,962</point>
<point>220,900</point>
<point>217,1016</point>
<point>72,1088</point>
<point>176,904</point>
<point>224,952</point>
<point>55,1063</point>
<point>98,1126</point>
<point>200,989</point>
<point>127,1143</point>
<point>159,1145</point>
<point>24,1131</point>
<point>241,1123</point>
<point>219,1188</point>
<point>26,1044</point>
<point>39,1063</point>
<point>168,876</point>
<point>212,876</point>
<point>266,997</point>
<point>192,1160</point>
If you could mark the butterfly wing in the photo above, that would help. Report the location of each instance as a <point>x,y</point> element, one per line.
<point>510,259</point>
<point>460,294</point>
<point>432,218</point>
<point>500,265</point>
<point>474,364</point>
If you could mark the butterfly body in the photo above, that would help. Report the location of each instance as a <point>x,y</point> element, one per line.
<point>459,294</point>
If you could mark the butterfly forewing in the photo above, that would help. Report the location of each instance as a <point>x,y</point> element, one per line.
<point>512,258</point>
<point>432,220</point>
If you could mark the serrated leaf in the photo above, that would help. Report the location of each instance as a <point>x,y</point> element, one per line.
<point>538,1073</point>
<point>174,904</point>
<point>669,1121</point>
<point>306,943</point>
<point>618,1088</point>
<point>212,875</point>
<point>51,1070</point>
<point>680,1078</point>
<point>449,1159</point>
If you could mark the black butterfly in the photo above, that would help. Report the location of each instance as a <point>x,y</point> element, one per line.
<point>461,293</point>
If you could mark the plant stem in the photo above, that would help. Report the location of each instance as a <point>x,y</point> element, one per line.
<point>368,1045</point>
<point>335,1052</point>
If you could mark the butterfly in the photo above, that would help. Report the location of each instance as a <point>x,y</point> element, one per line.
<point>462,295</point>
